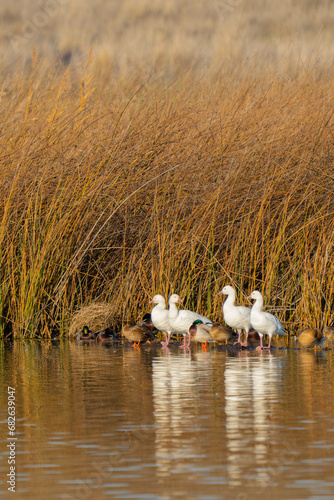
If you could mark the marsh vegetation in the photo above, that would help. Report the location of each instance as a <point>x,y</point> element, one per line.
<point>116,185</point>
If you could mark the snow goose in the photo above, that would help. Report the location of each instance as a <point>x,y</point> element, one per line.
<point>237,317</point>
<point>160,317</point>
<point>264,322</point>
<point>311,337</point>
<point>181,320</point>
<point>199,332</point>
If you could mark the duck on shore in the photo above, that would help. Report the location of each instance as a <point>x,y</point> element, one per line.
<point>328,332</point>
<point>85,334</point>
<point>106,335</point>
<point>200,332</point>
<point>137,334</point>
<point>311,337</point>
<point>253,337</point>
<point>221,333</point>
<point>148,323</point>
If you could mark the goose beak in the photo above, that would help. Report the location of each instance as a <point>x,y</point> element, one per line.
<point>151,302</point>
<point>221,292</point>
<point>249,298</point>
<point>179,300</point>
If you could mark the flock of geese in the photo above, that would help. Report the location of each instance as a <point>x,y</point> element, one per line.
<point>197,328</point>
<point>201,329</point>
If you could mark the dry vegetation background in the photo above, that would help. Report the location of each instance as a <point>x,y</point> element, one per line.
<point>170,35</point>
<point>153,147</point>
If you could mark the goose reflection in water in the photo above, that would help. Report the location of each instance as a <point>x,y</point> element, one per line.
<point>253,388</point>
<point>177,381</point>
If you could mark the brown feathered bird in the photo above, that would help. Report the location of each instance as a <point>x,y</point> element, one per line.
<point>311,337</point>
<point>86,334</point>
<point>253,337</point>
<point>199,332</point>
<point>221,333</point>
<point>106,335</point>
<point>147,323</point>
<point>328,332</point>
<point>137,334</point>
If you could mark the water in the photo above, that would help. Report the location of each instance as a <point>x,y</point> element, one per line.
<point>98,421</point>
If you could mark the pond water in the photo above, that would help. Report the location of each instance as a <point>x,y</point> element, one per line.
<point>97,421</point>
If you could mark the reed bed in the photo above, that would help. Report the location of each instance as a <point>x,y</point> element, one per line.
<point>113,190</point>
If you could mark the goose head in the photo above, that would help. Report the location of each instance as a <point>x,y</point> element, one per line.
<point>255,295</point>
<point>174,299</point>
<point>227,290</point>
<point>158,299</point>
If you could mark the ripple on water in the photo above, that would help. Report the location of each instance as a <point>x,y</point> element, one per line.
<point>143,424</point>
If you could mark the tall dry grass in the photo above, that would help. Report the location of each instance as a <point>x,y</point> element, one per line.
<point>118,189</point>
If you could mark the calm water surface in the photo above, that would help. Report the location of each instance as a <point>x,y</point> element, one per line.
<point>98,421</point>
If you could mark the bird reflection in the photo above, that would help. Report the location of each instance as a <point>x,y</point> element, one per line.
<point>253,386</point>
<point>177,381</point>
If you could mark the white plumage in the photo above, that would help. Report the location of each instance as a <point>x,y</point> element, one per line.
<point>160,317</point>
<point>264,322</point>
<point>237,317</point>
<point>181,320</point>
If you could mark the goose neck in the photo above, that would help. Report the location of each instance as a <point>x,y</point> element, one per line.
<point>229,300</point>
<point>160,306</point>
<point>258,304</point>
<point>173,310</point>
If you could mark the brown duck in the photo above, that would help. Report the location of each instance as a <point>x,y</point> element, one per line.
<point>137,334</point>
<point>328,331</point>
<point>311,337</point>
<point>221,333</point>
<point>147,323</point>
<point>253,337</point>
<point>106,335</point>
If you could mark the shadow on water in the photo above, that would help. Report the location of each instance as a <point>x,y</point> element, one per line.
<point>98,421</point>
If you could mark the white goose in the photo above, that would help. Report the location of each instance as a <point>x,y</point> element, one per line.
<point>264,322</point>
<point>237,317</point>
<point>160,317</point>
<point>181,320</point>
